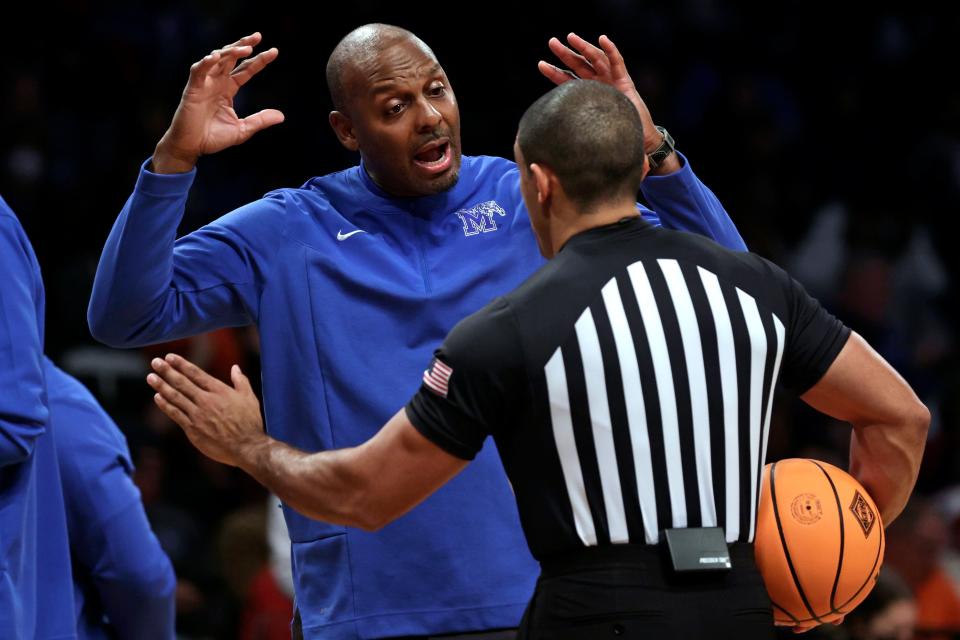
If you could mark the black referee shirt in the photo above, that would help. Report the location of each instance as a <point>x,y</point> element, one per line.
<point>628,385</point>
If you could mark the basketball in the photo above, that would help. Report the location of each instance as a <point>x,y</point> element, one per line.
<point>819,542</point>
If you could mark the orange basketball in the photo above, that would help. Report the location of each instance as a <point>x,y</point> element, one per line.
<point>819,541</point>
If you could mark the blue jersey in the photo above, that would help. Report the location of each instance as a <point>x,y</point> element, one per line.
<point>123,581</point>
<point>36,598</point>
<point>352,290</point>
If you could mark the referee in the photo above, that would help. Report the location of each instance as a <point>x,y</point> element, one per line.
<point>628,386</point>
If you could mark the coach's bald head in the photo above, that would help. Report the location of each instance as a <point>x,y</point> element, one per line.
<point>394,104</point>
<point>357,52</point>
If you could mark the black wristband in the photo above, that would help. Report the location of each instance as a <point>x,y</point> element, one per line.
<point>658,155</point>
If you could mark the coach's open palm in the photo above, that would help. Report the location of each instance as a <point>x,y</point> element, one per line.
<point>205,121</point>
<point>221,421</point>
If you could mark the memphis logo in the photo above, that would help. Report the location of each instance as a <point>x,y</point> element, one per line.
<point>479,219</point>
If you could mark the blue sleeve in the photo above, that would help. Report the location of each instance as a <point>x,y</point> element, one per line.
<point>110,538</point>
<point>133,576</point>
<point>680,201</point>
<point>23,408</point>
<point>151,287</point>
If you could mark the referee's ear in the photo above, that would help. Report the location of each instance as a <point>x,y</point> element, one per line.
<point>343,127</point>
<point>546,183</point>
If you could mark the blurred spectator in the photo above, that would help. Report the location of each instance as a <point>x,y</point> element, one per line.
<point>245,558</point>
<point>888,613</point>
<point>916,542</point>
<point>279,540</point>
<point>947,502</point>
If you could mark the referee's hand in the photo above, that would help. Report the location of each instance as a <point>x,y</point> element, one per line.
<point>223,422</point>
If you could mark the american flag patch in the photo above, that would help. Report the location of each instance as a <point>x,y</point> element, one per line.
<point>437,377</point>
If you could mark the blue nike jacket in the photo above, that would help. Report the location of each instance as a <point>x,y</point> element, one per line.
<point>352,290</point>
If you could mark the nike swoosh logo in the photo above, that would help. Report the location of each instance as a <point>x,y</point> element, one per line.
<point>343,236</point>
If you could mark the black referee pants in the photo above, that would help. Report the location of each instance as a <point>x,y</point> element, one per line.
<point>631,591</point>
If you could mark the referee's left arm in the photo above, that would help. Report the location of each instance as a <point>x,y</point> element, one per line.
<point>472,383</point>
<point>365,486</point>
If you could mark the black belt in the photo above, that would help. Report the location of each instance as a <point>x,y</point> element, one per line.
<point>641,556</point>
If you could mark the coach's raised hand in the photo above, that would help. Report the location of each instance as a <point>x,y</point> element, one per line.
<point>205,121</point>
<point>604,64</point>
<point>221,421</point>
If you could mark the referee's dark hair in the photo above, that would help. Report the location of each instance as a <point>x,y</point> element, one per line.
<point>590,135</point>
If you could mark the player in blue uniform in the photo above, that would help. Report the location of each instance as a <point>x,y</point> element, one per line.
<point>352,280</point>
<point>36,599</point>
<point>123,581</point>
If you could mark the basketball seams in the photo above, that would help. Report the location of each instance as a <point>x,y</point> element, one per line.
<point>840,516</point>
<point>783,542</point>
<point>874,569</point>
<point>792,617</point>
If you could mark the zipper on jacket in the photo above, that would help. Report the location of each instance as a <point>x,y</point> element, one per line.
<point>422,253</point>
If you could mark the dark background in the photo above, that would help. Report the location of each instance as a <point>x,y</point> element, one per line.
<point>830,131</point>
